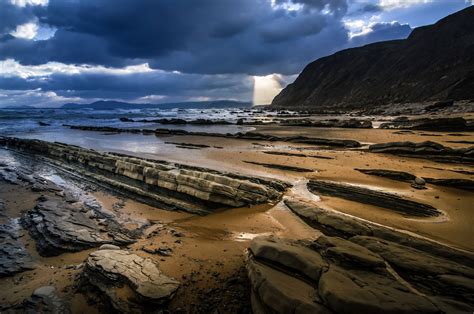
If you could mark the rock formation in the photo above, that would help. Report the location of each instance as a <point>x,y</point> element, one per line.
<point>349,124</point>
<point>429,124</point>
<point>426,150</point>
<point>357,267</point>
<point>373,197</point>
<point>14,257</point>
<point>434,63</point>
<point>58,227</point>
<point>43,300</point>
<point>169,185</point>
<point>129,282</point>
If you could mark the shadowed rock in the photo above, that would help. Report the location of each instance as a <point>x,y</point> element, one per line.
<point>426,150</point>
<point>373,197</point>
<point>58,227</point>
<point>279,167</point>
<point>428,124</point>
<point>14,257</point>
<point>363,268</point>
<point>129,282</point>
<point>463,184</point>
<point>390,174</point>
<point>350,123</point>
<point>43,300</point>
<point>296,155</point>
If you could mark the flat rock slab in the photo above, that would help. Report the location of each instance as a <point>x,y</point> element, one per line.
<point>114,272</point>
<point>373,197</point>
<point>58,227</point>
<point>14,257</point>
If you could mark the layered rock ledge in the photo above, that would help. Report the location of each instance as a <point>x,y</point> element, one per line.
<point>373,197</point>
<point>129,282</point>
<point>463,184</point>
<point>357,267</point>
<point>165,184</point>
<point>427,150</point>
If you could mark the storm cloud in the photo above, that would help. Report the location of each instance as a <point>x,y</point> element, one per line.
<point>207,48</point>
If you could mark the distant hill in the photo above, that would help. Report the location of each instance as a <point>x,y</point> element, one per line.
<point>435,62</point>
<point>110,105</point>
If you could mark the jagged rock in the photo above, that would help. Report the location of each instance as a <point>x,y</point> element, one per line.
<point>373,197</point>
<point>427,150</point>
<point>14,257</point>
<point>428,124</point>
<point>43,300</point>
<point>165,184</point>
<point>368,269</point>
<point>113,272</point>
<point>58,227</point>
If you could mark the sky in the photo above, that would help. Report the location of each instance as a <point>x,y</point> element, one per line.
<point>156,51</point>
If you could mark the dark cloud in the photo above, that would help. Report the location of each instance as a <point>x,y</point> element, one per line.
<point>212,36</point>
<point>215,44</point>
<point>135,85</point>
<point>382,31</point>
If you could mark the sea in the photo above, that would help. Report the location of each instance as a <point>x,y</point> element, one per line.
<point>30,121</point>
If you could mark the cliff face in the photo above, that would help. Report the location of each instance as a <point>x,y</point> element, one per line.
<point>435,62</point>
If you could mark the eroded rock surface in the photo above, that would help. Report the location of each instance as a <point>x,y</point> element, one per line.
<point>373,197</point>
<point>130,282</point>
<point>361,268</point>
<point>426,150</point>
<point>58,227</point>
<point>170,185</point>
<point>14,257</point>
<point>43,300</point>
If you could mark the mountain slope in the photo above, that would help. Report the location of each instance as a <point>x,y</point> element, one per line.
<point>435,62</point>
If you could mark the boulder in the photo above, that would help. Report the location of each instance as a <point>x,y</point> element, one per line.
<point>129,282</point>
